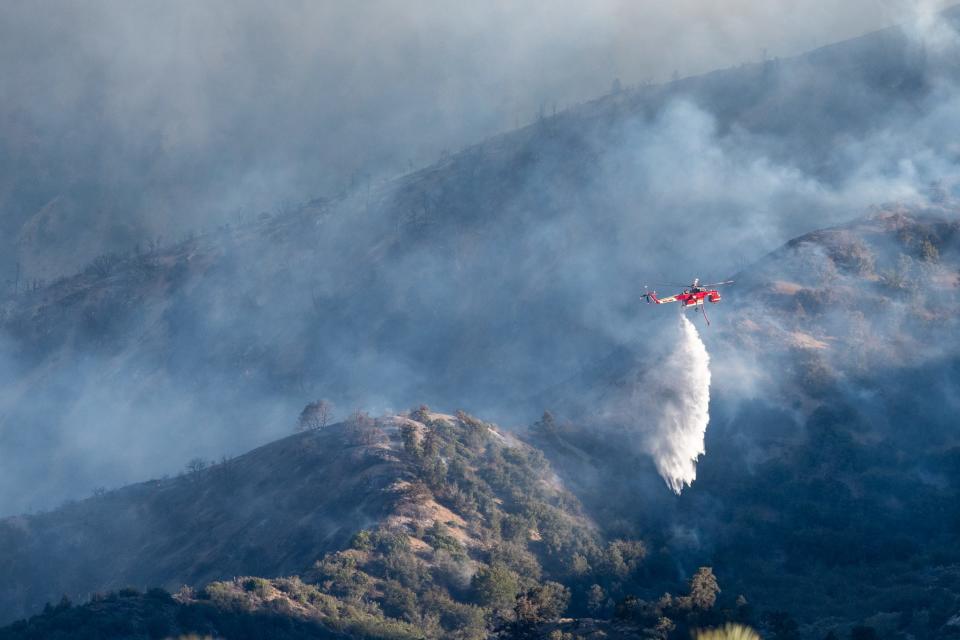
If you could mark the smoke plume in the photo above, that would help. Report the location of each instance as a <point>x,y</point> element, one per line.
<point>678,395</point>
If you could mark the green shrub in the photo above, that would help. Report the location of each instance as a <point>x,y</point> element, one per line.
<point>438,537</point>
<point>496,586</point>
<point>399,601</point>
<point>362,541</point>
<point>388,542</point>
<point>259,586</point>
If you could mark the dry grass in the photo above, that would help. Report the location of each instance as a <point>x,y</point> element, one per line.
<point>727,632</point>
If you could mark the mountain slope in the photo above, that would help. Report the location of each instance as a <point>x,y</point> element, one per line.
<point>479,539</point>
<point>828,495</point>
<point>451,490</point>
<point>269,512</point>
<point>522,255</point>
<point>829,483</point>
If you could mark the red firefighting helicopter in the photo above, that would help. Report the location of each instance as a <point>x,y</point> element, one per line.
<point>693,296</point>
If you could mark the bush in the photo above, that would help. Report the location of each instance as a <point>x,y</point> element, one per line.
<point>387,542</point>
<point>543,603</point>
<point>407,568</point>
<point>517,558</point>
<point>399,602</point>
<point>420,414</point>
<point>468,619</point>
<point>362,541</point>
<point>438,537</point>
<point>259,586</point>
<point>496,586</point>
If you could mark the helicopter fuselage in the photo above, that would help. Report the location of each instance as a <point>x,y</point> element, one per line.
<point>689,298</point>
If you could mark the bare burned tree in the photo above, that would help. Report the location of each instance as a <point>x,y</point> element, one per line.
<point>364,430</point>
<point>196,465</point>
<point>315,415</point>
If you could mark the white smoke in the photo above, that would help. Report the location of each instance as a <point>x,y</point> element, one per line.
<point>676,397</point>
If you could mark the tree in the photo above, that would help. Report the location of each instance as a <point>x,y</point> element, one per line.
<point>543,603</point>
<point>596,600</point>
<point>362,541</point>
<point>664,627</point>
<point>361,418</point>
<point>421,413</point>
<point>704,589</point>
<point>496,586</point>
<point>315,415</point>
<point>196,465</point>
<point>623,557</point>
<point>365,433</point>
<point>579,565</point>
<point>629,608</point>
<point>364,430</point>
<point>546,425</point>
